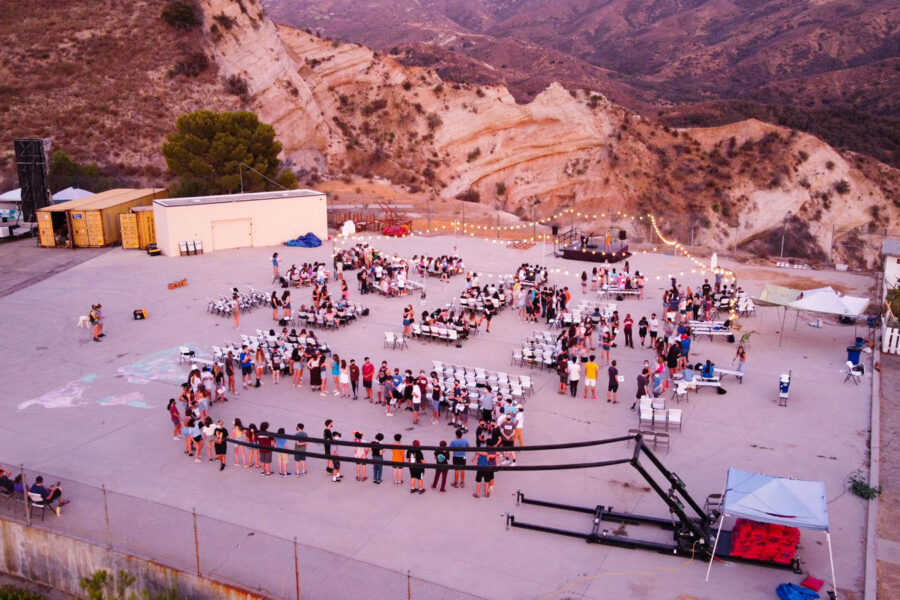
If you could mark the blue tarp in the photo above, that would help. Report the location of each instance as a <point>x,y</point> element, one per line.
<point>310,240</point>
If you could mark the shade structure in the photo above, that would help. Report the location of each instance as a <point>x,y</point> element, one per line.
<point>819,300</point>
<point>779,500</point>
<point>12,195</point>
<point>71,193</point>
<point>791,502</point>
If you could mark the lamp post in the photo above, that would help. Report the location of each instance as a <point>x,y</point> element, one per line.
<point>783,228</point>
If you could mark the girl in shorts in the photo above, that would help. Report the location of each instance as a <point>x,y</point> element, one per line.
<point>240,452</point>
<point>176,418</point>
<point>344,379</point>
<point>360,452</point>
<point>435,385</point>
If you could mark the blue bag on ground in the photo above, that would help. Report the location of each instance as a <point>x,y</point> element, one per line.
<point>792,591</point>
<point>305,241</point>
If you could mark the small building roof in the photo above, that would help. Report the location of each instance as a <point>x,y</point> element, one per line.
<point>199,200</point>
<point>890,246</point>
<point>104,199</point>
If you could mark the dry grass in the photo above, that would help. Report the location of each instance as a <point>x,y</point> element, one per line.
<point>88,74</point>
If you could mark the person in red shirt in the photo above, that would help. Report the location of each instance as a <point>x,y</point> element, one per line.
<point>627,325</point>
<point>368,372</point>
<point>265,442</point>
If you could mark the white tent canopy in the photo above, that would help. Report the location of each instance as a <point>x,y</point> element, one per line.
<point>791,502</point>
<point>12,195</point>
<point>71,193</point>
<point>780,500</point>
<point>820,300</point>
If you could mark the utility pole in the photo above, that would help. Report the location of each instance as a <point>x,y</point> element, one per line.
<point>783,228</point>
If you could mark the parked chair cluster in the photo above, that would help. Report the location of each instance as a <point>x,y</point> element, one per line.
<point>658,418</point>
<point>538,350</point>
<point>224,306</point>
<point>186,248</point>
<point>656,439</point>
<point>439,332</point>
<point>475,380</point>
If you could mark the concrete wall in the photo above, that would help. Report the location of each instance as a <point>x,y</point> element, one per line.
<point>271,222</point>
<point>59,561</point>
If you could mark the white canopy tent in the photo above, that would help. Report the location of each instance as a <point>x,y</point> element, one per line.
<point>780,500</point>
<point>820,300</point>
<point>12,195</point>
<point>70,193</point>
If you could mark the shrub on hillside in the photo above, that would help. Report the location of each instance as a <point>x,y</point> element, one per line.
<point>181,14</point>
<point>11,592</point>
<point>470,195</point>
<point>192,64</point>
<point>237,86</point>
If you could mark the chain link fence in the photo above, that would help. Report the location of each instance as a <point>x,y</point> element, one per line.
<point>225,552</point>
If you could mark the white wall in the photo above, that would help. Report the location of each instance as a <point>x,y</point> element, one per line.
<point>273,222</point>
<point>891,270</point>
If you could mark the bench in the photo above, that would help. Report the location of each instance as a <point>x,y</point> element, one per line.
<point>698,383</point>
<point>738,374</point>
<point>606,292</point>
<point>710,331</point>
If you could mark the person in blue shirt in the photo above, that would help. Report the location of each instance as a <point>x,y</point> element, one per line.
<point>280,444</point>
<point>275,266</point>
<point>246,360</point>
<point>459,459</point>
<point>708,371</point>
<point>49,495</point>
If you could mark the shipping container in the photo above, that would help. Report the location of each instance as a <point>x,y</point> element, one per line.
<point>54,222</point>
<point>129,231</point>
<point>92,222</point>
<point>145,225</point>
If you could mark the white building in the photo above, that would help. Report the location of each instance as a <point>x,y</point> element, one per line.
<point>239,220</point>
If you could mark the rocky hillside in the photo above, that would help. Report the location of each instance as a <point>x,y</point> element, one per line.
<point>838,60</point>
<point>344,111</point>
<point>104,79</point>
<point>342,108</point>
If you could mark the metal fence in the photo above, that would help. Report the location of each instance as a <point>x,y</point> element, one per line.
<point>226,552</point>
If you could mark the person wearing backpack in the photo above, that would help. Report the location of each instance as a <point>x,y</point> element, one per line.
<point>442,458</point>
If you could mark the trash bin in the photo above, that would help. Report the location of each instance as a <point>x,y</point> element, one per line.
<point>853,353</point>
<point>784,384</point>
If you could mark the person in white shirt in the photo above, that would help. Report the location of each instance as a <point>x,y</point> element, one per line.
<point>654,330</point>
<point>574,375</point>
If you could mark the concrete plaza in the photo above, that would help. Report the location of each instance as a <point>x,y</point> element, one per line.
<point>95,413</point>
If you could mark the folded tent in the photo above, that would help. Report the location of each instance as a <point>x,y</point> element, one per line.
<point>779,500</point>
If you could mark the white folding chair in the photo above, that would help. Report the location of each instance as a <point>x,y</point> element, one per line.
<point>389,340</point>
<point>674,418</point>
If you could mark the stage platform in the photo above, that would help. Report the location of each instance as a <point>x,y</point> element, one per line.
<point>594,253</point>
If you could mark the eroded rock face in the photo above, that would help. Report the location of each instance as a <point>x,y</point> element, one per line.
<point>246,44</point>
<point>342,108</point>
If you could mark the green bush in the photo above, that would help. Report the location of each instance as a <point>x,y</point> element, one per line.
<point>470,195</point>
<point>180,14</point>
<point>11,592</point>
<point>861,487</point>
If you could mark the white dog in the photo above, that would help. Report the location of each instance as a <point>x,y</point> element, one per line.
<point>84,322</point>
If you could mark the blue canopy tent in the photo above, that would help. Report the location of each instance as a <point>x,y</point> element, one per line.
<point>779,500</point>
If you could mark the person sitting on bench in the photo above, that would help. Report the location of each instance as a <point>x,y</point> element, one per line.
<point>708,371</point>
<point>688,374</point>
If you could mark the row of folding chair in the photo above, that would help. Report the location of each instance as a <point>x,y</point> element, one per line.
<point>482,376</point>
<point>534,357</point>
<point>435,332</point>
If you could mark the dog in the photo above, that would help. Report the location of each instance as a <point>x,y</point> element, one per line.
<point>84,322</point>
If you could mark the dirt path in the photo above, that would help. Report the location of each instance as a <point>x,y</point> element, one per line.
<point>889,479</point>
